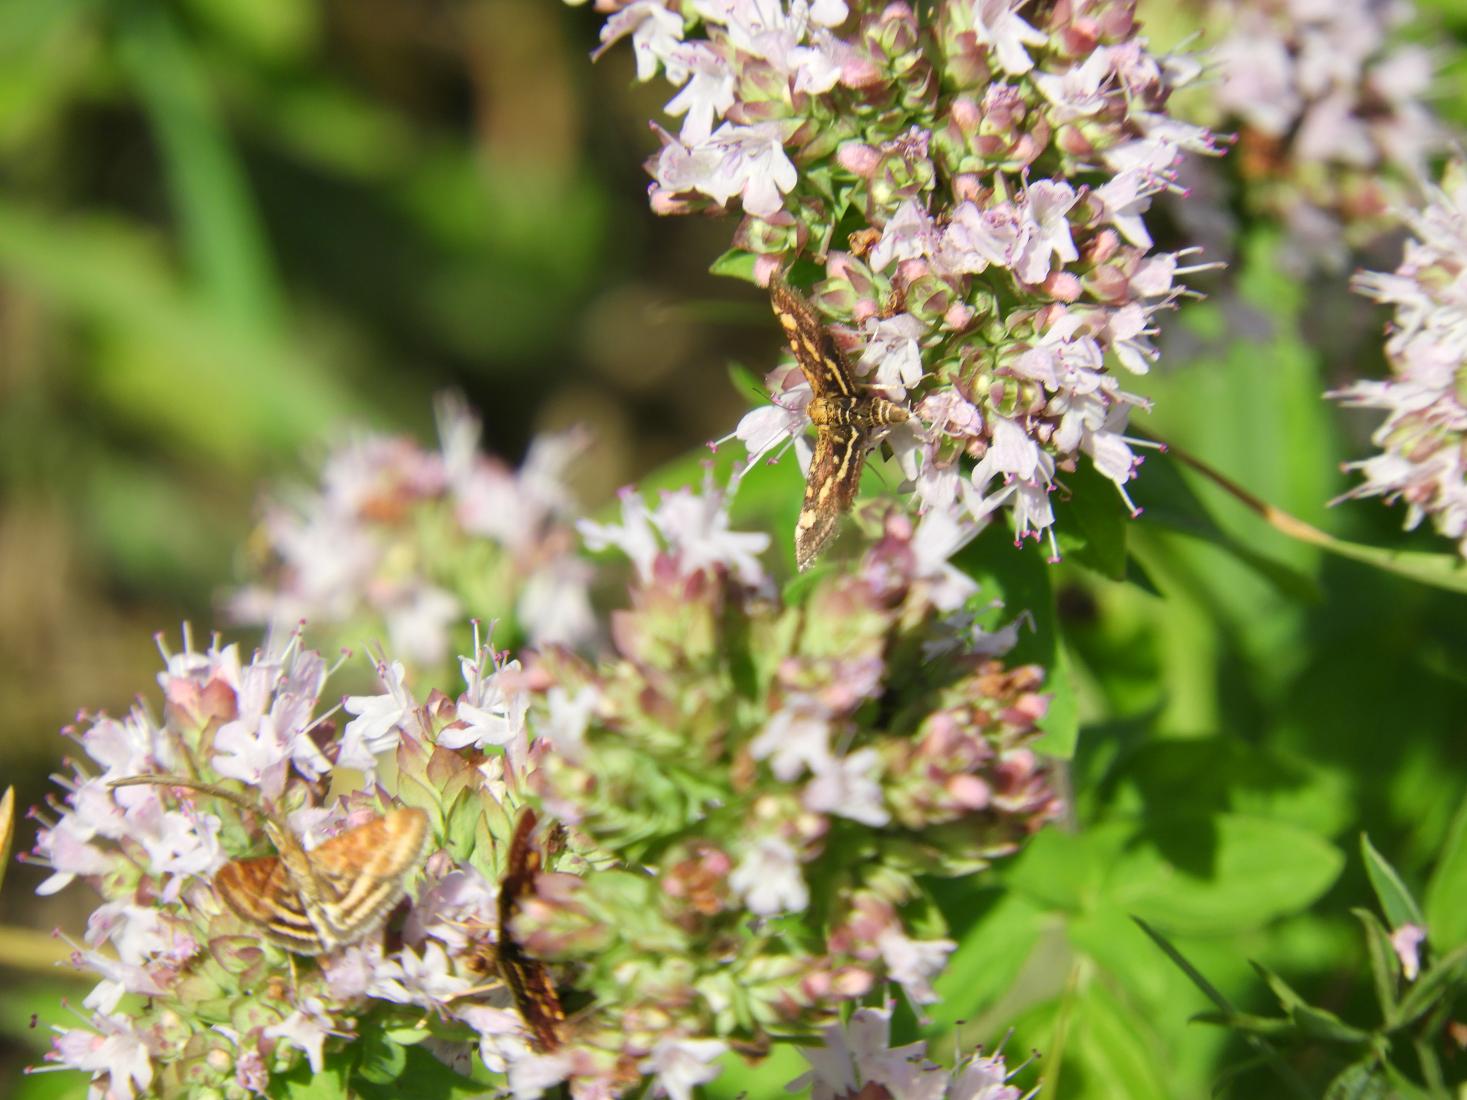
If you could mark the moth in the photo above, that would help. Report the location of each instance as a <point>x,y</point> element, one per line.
<point>526,977</point>
<point>847,419</point>
<point>316,902</point>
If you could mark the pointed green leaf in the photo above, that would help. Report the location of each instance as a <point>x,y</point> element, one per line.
<point>1396,902</point>
<point>1383,965</point>
<point>735,263</point>
<point>1445,901</point>
<point>1438,980</point>
<point>1287,998</point>
<point>1318,1023</point>
<point>1249,1024</point>
<point>1210,991</point>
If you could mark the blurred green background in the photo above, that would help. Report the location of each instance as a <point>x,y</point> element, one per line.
<point>229,228</point>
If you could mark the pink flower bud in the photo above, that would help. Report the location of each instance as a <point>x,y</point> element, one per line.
<point>858,158</point>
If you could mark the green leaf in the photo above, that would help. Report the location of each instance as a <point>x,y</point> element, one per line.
<point>1109,1044</point>
<point>423,1077</point>
<point>1288,999</point>
<point>767,1076</point>
<point>1446,892</point>
<point>1267,1054</point>
<point>1435,982</point>
<point>1319,1023</point>
<point>382,1060</point>
<point>735,263</point>
<point>1024,581</point>
<point>1062,870</point>
<point>1211,992</point>
<point>1220,873</point>
<point>1092,522</point>
<point>1383,965</point>
<point>1445,571</point>
<point>1396,902</point>
<point>990,954</point>
<point>1363,1080</point>
<point>301,1084</point>
<point>1166,499</point>
<point>1249,1024</point>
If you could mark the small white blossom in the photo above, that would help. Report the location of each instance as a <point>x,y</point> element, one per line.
<point>678,1065</point>
<point>914,963</point>
<point>997,24</point>
<point>379,718</point>
<point>305,1029</point>
<point>656,33</point>
<point>849,786</point>
<point>768,878</point>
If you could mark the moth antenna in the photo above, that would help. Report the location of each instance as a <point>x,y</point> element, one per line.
<point>252,805</point>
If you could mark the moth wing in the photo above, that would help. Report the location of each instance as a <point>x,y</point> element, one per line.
<point>261,892</point>
<point>534,995</point>
<point>820,360</point>
<point>527,978</point>
<point>362,873</point>
<point>830,489</point>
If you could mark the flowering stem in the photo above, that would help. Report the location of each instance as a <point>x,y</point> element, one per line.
<point>1440,570</point>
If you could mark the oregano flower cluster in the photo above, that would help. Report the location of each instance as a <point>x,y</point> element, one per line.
<point>972,188</point>
<point>1330,105</point>
<point>1423,438</point>
<point>399,541</point>
<point>744,795</point>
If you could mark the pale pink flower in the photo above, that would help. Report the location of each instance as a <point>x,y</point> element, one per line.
<point>1406,941</point>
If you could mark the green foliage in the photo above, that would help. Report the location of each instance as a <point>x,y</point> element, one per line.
<point>1414,1009</point>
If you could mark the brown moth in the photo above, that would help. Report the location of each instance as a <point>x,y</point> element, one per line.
<point>316,902</point>
<point>847,419</point>
<point>527,978</point>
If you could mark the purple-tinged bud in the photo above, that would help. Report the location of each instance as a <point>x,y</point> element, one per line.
<point>966,114</point>
<point>1003,107</point>
<point>858,158</point>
